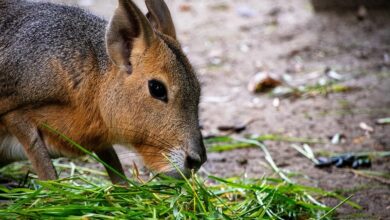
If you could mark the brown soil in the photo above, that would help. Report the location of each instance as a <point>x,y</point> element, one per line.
<point>281,37</point>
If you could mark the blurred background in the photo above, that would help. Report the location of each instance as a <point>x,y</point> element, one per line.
<point>287,68</point>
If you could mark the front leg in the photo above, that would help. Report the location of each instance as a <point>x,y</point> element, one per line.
<point>109,156</point>
<point>30,137</point>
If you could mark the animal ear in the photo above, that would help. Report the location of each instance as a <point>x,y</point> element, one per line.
<point>127,26</point>
<point>160,17</point>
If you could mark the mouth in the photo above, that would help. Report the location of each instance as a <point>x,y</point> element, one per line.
<point>178,174</point>
<point>176,168</point>
<point>175,162</point>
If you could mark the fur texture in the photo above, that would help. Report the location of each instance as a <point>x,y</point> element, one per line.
<point>88,78</point>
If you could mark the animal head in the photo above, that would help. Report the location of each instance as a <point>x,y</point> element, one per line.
<point>150,99</point>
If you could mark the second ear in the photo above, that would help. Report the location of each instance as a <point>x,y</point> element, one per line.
<point>128,29</point>
<point>160,17</point>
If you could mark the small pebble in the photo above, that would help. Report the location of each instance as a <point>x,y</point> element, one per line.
<point>361,163</point>
<point>323,162</point>
<point>340,163</point>
<point>348,159</point>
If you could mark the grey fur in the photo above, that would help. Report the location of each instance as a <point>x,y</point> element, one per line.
<point>31,36</point>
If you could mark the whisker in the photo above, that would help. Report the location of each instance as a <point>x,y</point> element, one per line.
<point>172,153</point>
<point>159,149</point>
<point>146,136</point>
<point>138,155</point>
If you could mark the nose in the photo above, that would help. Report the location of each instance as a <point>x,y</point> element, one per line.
<point>196,156</point>
<point>193,162</point>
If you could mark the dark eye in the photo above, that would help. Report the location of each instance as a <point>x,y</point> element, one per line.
<point>157,90</point>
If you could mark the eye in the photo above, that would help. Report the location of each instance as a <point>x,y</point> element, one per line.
<point>157,90</point>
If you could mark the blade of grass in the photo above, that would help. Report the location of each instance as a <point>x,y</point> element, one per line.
<point>334,208</point>
<point>79,147</point>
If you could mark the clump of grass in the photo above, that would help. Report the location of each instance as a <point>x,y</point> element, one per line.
<point>80,196</point>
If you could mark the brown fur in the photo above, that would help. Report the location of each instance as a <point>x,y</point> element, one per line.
<point>98,110</point>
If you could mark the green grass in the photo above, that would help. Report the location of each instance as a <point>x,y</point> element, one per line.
<point>78,196</point>
<point>87,194</point>
<point>226,143</point>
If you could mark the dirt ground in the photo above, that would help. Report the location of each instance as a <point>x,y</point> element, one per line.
<point>230,41</point>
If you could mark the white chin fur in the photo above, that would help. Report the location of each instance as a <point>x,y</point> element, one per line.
<point>176,164</point>
<point>177,175</point>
